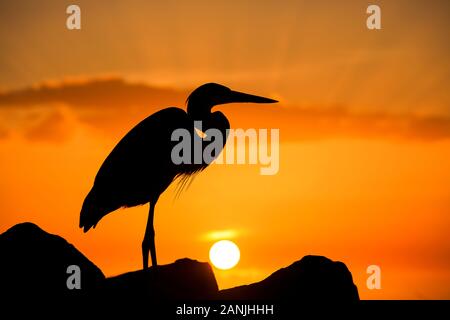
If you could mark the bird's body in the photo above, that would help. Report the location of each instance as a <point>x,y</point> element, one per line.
<point>141,167</point>
<point>127,177</point>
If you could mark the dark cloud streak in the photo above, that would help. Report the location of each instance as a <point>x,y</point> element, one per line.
<point>114,106</point>
<point>107,93</point>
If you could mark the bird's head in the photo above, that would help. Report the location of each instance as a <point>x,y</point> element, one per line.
<point>205,97</point>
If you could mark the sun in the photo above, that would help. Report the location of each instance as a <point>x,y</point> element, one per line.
<point>224,254</point>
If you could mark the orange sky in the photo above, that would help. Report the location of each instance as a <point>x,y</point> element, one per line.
<point>364,123</point>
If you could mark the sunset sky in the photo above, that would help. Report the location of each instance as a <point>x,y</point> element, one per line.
<point>364,119</point>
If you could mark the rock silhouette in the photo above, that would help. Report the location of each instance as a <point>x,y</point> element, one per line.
<point>185,279</point>
<point>313,278</point>
<point>34,264</point>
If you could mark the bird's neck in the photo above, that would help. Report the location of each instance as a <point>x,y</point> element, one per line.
<point>199,112</point>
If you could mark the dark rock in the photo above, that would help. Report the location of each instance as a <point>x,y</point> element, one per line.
<point>313,278</point>
<point>185,279</point>
<point>34,264</point>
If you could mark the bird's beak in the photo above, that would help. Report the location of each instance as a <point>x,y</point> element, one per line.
<point>236,96</point>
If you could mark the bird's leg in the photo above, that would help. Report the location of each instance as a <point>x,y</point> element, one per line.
<point>148,244</point>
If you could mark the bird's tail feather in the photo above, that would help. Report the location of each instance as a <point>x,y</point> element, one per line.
<point>90,213</point>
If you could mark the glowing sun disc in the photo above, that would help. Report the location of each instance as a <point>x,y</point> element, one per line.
<point>224,254</point>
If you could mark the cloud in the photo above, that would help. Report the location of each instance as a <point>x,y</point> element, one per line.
<point>3,133</point>
<point>56,126</point>
<point>221,235</point>
<point>97,93</point>
<point>110,105</point>
<point>305,123</point>
<point>113,106</point>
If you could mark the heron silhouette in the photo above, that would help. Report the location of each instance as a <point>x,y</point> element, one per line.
<point>140,166</point>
